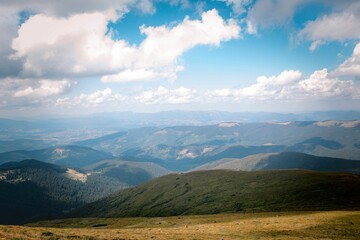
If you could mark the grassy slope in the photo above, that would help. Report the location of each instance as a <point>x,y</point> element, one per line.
<point>222,191</point>
<point>299,225</point>
<point>132,173</point>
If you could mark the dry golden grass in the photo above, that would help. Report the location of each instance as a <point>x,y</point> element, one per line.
<point>290,225</point>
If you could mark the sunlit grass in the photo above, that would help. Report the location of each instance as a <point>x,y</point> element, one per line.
<point>280,225</point>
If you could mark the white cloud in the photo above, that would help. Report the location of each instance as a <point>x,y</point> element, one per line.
<point>78,46</point>
<point>320,85</point>
<point>94,99</point>
<point>143,75</point>
<point>342,23</point>
<point>18,93</point>
<point>163,95</point>
<point>64,46</point>
<point>33,88</point>
<point>289,85</point>
<point>10,18</point>
<point>334,27</point>
<point>266,87</point>
<point>270,13</point>
<point>44,88</point>
<point>163,45</point>
<point>351,67</point>
<point>66,7</point>
<point>130,75</point>
<point>107,97</point>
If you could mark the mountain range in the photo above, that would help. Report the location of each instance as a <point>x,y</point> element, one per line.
<point>185,147</point>
<point>70,155</point>
<point>285,161</point>
<point>67,129</point>
<point>230,166</point>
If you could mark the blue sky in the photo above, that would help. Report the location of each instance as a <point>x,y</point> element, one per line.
<point>74,57</point>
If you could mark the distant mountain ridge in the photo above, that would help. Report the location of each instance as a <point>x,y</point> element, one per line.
<point>22,144</point>
<point>286,161</point>
<point>70,155</point>
<point>68,129</point>
<point>185,147</point>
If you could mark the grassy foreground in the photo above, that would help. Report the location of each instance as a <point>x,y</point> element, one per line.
<point>280,225</point>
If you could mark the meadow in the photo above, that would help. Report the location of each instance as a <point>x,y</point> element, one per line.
<point>270,225</point>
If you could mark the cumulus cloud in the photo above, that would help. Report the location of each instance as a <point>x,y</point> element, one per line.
<point>164,44</point>
<point>94,99</point>
<point>33,88</point>
<point>64,46</point>
<point>270,13</point>
<point>143,74</point>
<point>290,85</point>
<point>334,27</point>
<point>44,88</point>
<point>107,97</point>
<point>66,7</point>
<point>21,93</point>
<point>10,11</point>
<point>351,66</point>
<point>163,95</point>
<point>10,19</point>
<point>320,85</point>
<point>264,88</point>
<point>342,23</point>
<point>78,46</point>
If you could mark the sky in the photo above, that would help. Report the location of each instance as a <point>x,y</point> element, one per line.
<point>75,57</point>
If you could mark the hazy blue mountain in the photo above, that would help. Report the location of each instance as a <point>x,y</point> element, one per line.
<point>67,129</point>
<point>286,161</point>
<point>311,144</point>
<point>219,191</point>
<point>72,156</point>
<point>23,144</point>
<point>185,147</point>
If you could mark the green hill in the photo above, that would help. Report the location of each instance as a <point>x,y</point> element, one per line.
<point>33,190</point>
<point>285,160</point>
<point>132,173</point>
<point>218,191</point>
